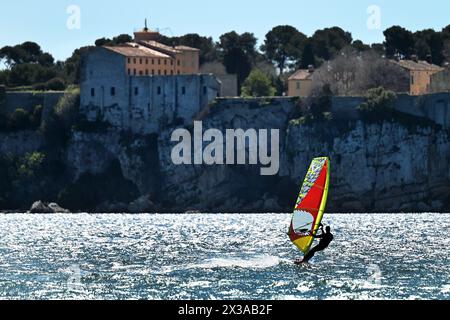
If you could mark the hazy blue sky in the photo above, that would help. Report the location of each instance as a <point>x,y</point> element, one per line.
<point>45,21</point>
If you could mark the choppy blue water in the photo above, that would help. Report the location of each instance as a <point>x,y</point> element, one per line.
<point>220,257</point>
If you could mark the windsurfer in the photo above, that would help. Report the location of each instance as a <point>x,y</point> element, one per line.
<point>325,239</point>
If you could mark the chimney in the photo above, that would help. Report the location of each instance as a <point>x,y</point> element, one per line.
<point>415,58</point>
<point>146,34</point>
<point>311,68</point>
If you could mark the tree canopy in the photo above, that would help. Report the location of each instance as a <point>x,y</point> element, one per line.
<point>284,46</point>
<point>258,84</point>
<point>330,41</point>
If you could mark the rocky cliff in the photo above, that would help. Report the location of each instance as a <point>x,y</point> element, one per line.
<point>394,165</point>
<point>391,165</point>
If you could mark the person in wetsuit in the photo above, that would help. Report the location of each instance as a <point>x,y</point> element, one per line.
<point>325,240</point>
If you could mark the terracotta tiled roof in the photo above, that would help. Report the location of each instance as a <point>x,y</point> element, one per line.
<point>417,66</point>
<point>160,46</point>
<point>186,48</point>
<point>136,50</point>
<point>302,74</point>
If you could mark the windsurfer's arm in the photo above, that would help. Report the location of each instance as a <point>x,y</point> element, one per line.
<point>320,236</point>
<point>316,236</point>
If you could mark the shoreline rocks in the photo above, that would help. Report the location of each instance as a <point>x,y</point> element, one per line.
<point>45,208</point>
<point>142,205</point>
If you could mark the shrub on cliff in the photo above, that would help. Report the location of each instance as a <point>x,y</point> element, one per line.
<point>55,84</point>
<point>322,102</point>
<point>19,120</point>
<point>379,99</point>
<point>56,128</point>
<point>258,84</point>
<point>36,116</point>
<point>27,178</point>
<point>379,104</point>
<point>68,105</point>
<point>319,108</point>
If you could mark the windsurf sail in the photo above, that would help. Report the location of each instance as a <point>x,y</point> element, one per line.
<point>310,205</point>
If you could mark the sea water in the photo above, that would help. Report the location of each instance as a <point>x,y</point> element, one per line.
<point>235,256</point>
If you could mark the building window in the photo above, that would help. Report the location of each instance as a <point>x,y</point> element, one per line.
<point>140,61</point>
<point>113,91</point>
<point>129,72</point>
<point>178,62</point>
<point>205,90</point>
<point>134,60</point>
<point>159,90</point>
<point>129,60</point>
<point>146,72</point>
<point>178,72</point>
<point>165,61</point>
<point>134,71</point>
<point>298,85</point>
<point>171,62</point>
<point>159,72</point>
<point>153,61</point>
<point>159,61</point>
<point>165,72</point>
<point>136,91</point>
<point>141,73</point>
<point>146,61</point>
<point>92,92</point>
<point>153,71</point>
<point>171,72</point>
<point>183,90</point>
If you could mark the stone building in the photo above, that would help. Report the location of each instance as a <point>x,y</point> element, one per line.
<point>229,82</point>
<point>300,83</point>
<point>146,56</point>
<point>144,85</point>
<point>440,82</point>
<point>420,73</point>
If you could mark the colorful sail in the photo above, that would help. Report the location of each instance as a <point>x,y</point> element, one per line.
<point>310,205</point>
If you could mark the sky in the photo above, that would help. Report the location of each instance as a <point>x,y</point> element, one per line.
<point>54,24</point>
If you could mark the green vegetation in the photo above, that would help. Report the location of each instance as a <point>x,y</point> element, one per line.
<point>284,47</point>
<point>20,120</point>
<point>310,119</point>
<point>258,84</point>
<point>319,109</point>
<point>378,100</point>
<point>380,107</point>
<point>120,39</point>
<point>55,84</point>
<point>57,126</point>
<point>427,44</point>
<point>27,178</point>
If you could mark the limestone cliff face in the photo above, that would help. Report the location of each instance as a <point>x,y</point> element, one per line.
<point>388,166</point>
<point>20,143</point>
<point>226,188</point>
<point>385,166</point>
<point>93,152</point>
<point>378,167</point>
